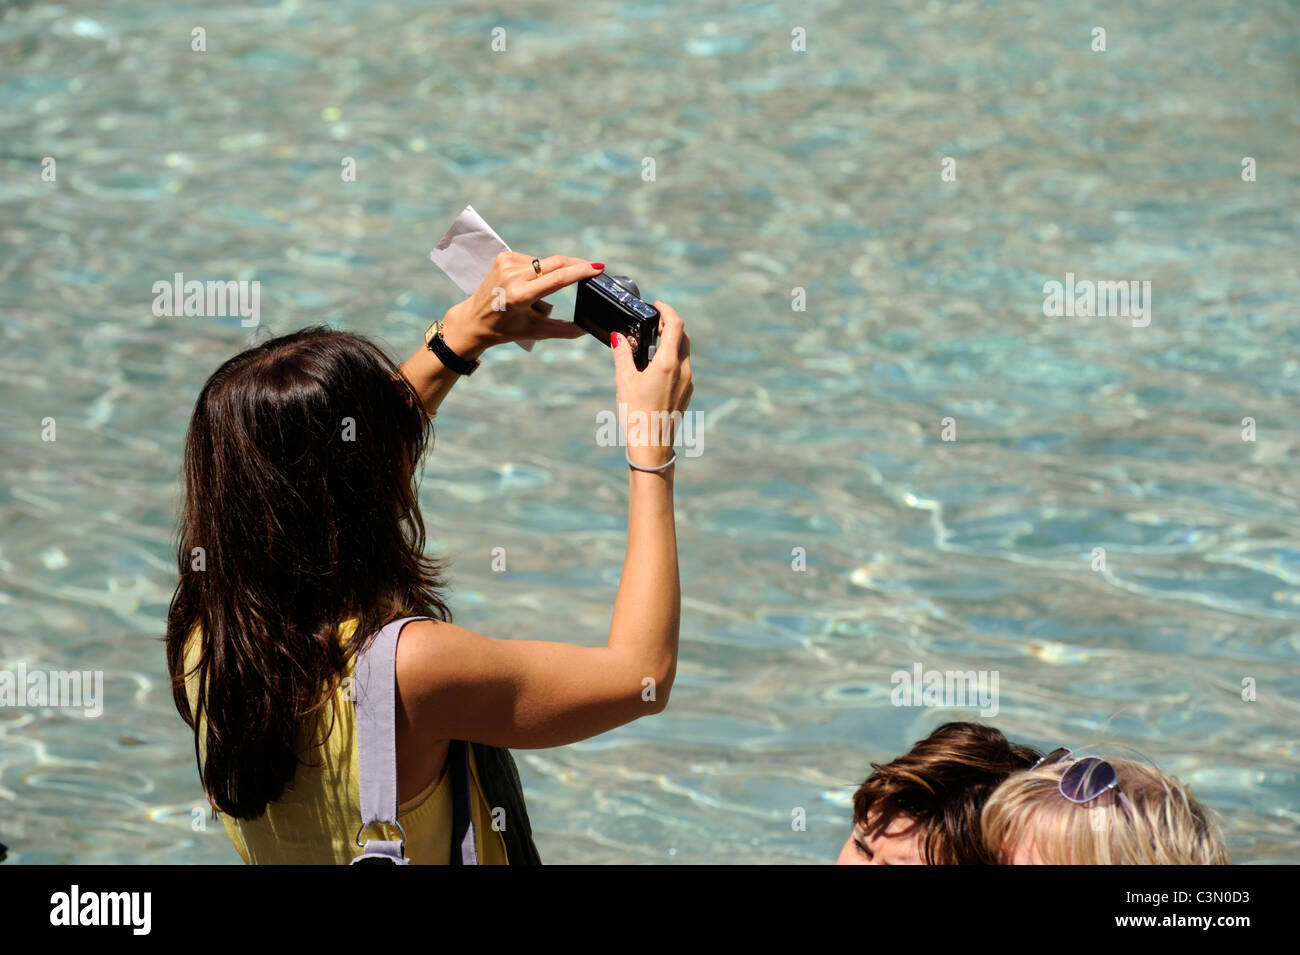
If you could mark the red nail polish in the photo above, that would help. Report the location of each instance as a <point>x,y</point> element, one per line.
<point>613,339</point>
<point>598,265</point>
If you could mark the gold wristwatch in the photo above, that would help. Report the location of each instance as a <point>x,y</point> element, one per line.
<point>437,344</point>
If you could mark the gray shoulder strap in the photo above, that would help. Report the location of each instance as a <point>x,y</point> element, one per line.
<point>375,684</point>
<point>374,680</point>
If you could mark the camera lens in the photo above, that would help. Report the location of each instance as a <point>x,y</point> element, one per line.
<point>626,283</point>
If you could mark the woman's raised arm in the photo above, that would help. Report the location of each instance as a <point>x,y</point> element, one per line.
<point>457,684</point>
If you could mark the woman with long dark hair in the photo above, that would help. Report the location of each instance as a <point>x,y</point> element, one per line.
<point>301,537</point>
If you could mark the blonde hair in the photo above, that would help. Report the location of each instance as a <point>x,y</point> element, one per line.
<point>1161,824</point>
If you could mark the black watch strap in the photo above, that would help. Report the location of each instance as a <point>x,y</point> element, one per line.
<point>438,345</point>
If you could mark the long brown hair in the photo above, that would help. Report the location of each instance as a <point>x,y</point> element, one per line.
<point>941,784</point>
<point>300,511</point>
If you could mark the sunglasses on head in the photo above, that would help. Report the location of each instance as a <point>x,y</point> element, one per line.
<point>1087,779</point>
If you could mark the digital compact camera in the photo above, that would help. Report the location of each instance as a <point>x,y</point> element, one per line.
<point>612,303</point>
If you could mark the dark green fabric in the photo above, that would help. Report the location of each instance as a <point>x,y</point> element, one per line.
<point>502,789</point>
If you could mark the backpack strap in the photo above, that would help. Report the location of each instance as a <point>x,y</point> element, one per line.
<point>463,851</point>
<point>499,784</point>
<point>375,682</point>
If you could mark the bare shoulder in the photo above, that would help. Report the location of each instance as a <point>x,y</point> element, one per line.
<point>431,655</point>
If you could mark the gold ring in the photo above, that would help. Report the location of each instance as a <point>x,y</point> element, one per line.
<point>537,266</point>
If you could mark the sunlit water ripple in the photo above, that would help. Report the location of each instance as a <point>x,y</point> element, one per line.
<point>774,169</point>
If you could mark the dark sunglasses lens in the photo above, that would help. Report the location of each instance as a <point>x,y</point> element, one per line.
<point>1087,779</point>
<point>1055,756</point>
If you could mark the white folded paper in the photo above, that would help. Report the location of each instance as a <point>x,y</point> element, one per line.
<point>466,252</point>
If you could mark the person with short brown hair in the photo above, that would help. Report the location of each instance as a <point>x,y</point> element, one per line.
<point>923,808</point>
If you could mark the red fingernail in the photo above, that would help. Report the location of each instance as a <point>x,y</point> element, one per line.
<point>597,265</point>
<point>613,339</point>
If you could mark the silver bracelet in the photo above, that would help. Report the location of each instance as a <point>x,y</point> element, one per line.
<point>636,467</point>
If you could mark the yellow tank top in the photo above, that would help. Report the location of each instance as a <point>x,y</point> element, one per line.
<point>315,821</point>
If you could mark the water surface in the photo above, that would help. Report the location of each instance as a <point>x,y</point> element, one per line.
<point>774,170</point>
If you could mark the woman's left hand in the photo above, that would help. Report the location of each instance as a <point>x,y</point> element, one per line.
<point>508,306</point>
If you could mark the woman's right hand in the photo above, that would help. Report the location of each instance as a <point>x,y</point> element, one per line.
<point>664,386</point>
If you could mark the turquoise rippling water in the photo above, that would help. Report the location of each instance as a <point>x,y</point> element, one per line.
<point>774,170</point>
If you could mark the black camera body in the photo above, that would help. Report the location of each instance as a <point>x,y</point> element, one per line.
<point>612,303</point>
